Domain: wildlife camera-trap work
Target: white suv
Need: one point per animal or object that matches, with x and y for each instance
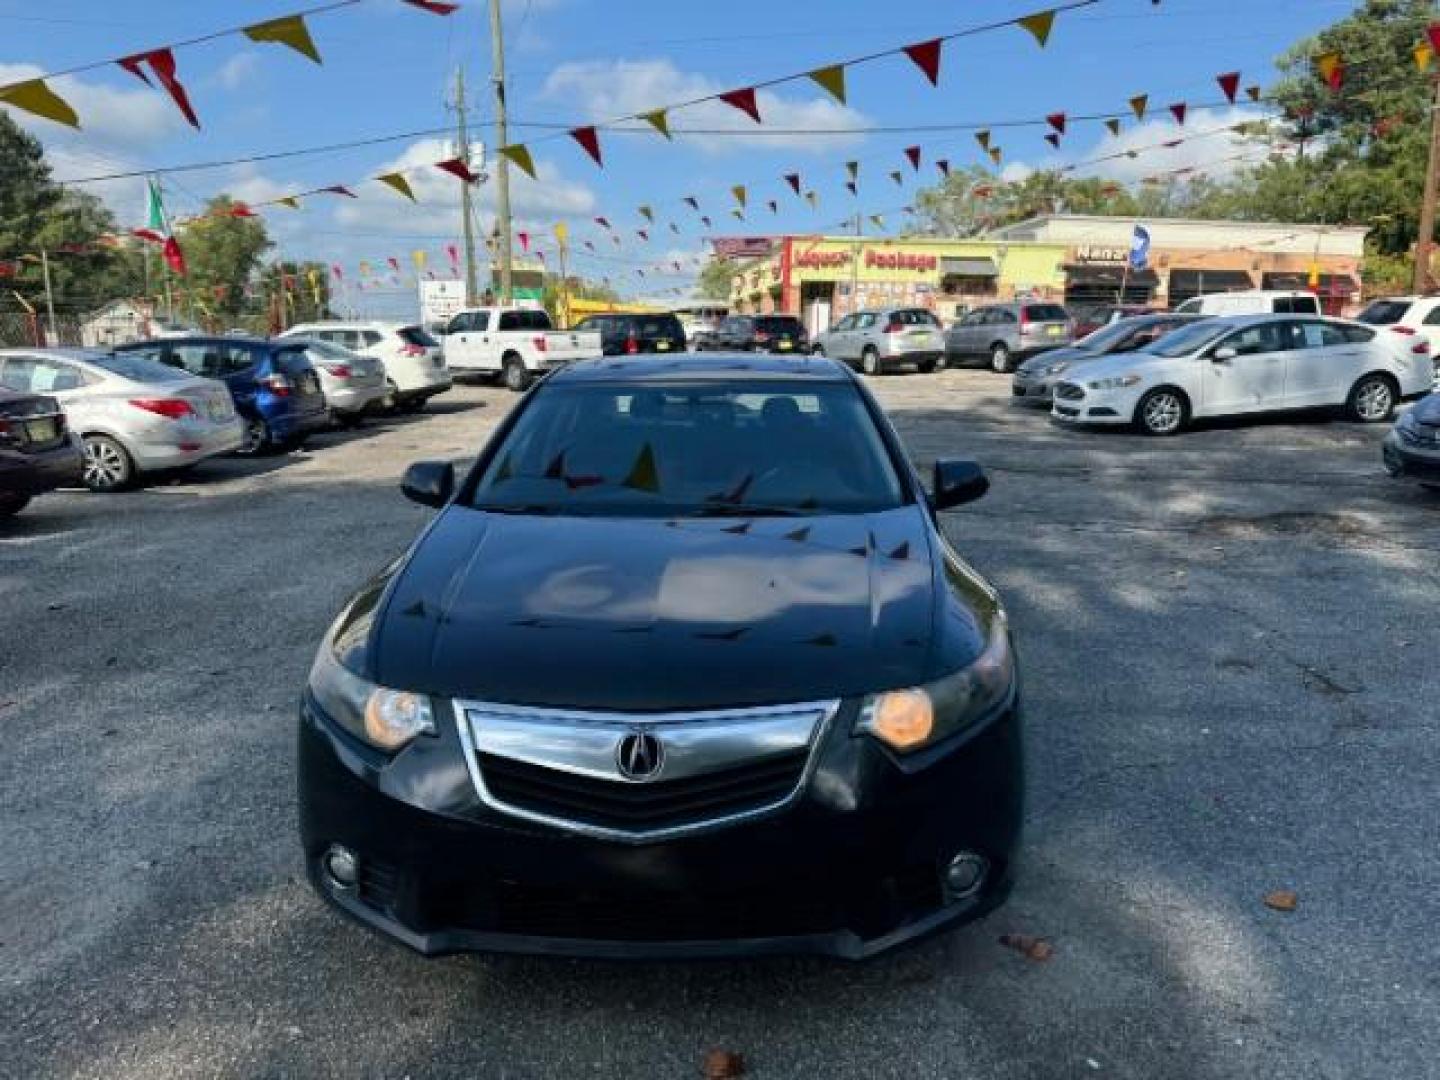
(414, 362)
(1408, 316)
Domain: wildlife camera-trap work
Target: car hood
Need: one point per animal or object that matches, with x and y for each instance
(643, 614)
(1427, 409)
(1103, 367)
(1070, 354)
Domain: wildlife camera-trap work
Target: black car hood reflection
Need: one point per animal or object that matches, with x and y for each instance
(626, 613)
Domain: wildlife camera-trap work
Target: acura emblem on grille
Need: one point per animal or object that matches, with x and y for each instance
(639, 756)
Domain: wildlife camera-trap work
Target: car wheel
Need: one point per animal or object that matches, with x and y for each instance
(870, 361)
(1372, 400)
(257, 438)
(517, 379)
(415, 404)
(348, 420)
(1162, 412)
(391, 401)
(107, 465)
(10, 505)
(1001, 360)
(926, 367)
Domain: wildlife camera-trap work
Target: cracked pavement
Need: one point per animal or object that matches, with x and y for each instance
(1229, 648)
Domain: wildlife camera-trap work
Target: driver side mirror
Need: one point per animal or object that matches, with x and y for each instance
(1224, 354)
(957, 483)
(429, 483)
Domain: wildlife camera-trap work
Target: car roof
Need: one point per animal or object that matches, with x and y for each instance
(84, 356)
(706, 367)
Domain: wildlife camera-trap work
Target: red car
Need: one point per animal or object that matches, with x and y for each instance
(1090, 319)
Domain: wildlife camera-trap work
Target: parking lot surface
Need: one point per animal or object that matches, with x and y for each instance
(1229, 650)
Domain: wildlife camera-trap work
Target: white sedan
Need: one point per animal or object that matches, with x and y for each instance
(1255, 363)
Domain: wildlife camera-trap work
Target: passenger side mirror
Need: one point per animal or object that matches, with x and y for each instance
(1224, 354)
(957, 483)
(429, 483)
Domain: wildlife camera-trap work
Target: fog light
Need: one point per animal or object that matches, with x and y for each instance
(342, 866)
(965, 875)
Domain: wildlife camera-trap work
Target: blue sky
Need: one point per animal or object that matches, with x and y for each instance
(388, 69)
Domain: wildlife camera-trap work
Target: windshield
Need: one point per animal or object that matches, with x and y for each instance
(777, 326)
(138, 368)
(1384, 312)
(1189, 339)
(742, 448)
(1107, 337)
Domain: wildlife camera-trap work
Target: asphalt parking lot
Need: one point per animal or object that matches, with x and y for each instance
(1229, 645)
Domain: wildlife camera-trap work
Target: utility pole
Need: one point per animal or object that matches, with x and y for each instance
(49, 296)
(855, 269)
(462, 146)
(1425, 242)
(502, 164)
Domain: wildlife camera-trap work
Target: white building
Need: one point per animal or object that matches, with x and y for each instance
(116, 323)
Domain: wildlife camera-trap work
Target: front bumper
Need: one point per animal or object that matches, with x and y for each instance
(1097, 406)
(1409, 462)
(852, 868)
(36, 472)
(1032, 390)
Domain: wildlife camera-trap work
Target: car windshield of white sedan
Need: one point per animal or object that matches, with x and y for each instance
(1188, 339)
(692, 450)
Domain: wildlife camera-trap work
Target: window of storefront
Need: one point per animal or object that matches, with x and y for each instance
(1187, 283)
(1090, 285)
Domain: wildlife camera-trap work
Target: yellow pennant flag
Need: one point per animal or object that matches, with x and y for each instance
(418, 257)
(364, 268)
(996, 155)
(1039, 24)
(562, 233)
(739, 192)
(877, 221)
(314, 278)
(649, 215)
(290, 30)
(983, 138)
(1424, 54)
(292, 201)
(1139, 103)
(399, 183)
(658, 120)
(1328, 64)
(520, 155)
(35, 97)
(853, 168)
(831, 79)
(1314, 275)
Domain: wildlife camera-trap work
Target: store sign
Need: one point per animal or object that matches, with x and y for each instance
(1092, 254)
(821, 260)
(900, 260)
(742, 247)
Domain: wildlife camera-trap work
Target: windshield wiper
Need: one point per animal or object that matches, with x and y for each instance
(729, 509)
(525, 509)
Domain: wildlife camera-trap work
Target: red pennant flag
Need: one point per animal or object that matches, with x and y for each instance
(340, 189)
(336, 272)
(774, 206)
(435, 7)
(1178, 111)
(394, 263)
(604, 223)
(744, 100)
(589, 246)
(162, 63)
(1229, 84)
(926, 55)
(1433, 33)
(240, 210)
(454, 253)
(174, 257)
(913, 153)
(458, 168)
(793, 179)
(944, 166)
(524, 238)
(705, 220)
(1053, 139)
(1057, 121)
(691, 202)
(644, 236)
(589, 140)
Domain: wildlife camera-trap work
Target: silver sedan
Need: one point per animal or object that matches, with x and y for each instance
(353, 384)
(133, 415)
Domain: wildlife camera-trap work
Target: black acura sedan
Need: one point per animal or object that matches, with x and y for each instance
(683, 667)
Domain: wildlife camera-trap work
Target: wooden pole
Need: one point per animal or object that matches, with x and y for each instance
(1425, 242)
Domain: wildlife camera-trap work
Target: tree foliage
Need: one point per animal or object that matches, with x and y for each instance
(713, 282)
(222, 256)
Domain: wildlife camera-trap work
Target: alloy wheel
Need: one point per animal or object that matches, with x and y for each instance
(1000, 359)
(106, 467)
(1374, 401)
(1162, 413)
(256, 436)
(870, 361)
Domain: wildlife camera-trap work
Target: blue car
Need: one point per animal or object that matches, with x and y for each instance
(276, 390)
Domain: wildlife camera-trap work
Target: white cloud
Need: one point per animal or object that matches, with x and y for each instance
(236, 72)
(624, 87)
(109, 116)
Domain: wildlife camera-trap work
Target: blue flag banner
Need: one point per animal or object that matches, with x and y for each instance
(1140, 248)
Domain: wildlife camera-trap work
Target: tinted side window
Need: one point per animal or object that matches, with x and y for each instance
(509, 320)
(1002, 315)
(234, 359)
(1045, 313)
(1265, 338)
(1433, 319)
(370, 337)
(292, 361)
(1357, 334)
(196, 359)
(459, 324)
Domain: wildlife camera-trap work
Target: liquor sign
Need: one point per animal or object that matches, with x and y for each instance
(742, 247)
(900, 260)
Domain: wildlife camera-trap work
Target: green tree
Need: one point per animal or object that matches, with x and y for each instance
(577, 288)
(971, 200)
(222, 256)
(714, 280)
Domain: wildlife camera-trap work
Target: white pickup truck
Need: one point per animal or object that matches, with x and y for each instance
(513, 342)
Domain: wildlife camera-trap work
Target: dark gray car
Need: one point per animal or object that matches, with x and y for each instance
(1005, 334)
(1035, 378)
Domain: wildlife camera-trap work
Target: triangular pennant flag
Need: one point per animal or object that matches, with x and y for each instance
(1057, 121)
(739, 192)
(774, 206)
(648, 214)
(174, 257)
(644, 236)
(34, 96)
(1114, 126)
(691, 202)
(913, 154)
(340, 189)
(877, 221)
(240, 210)
(1039, 24)
(604, 223)
(589, 140)
(926, 55)
(1424, 54)
(744, 100)
(292, 201)
(162, 63)
(418, 257)
(812, 199)
(394, 263)
(832, 79)
(520, 155)
(673, 227)
(1432, 34)
(983, 138)
(1229, 85)
(1138, 104)
(589, 245)
(1253, 93)
(793, 179)
(1053, 139)
(435, 7)
(944, 167)
(705, 220)
(854, 187)
(996, 154)
(898, 177)
(289, 30)
(524, 238)
(399, 183)
(1178, 111)
(657, 119)
(739, 215)
(1331, 68)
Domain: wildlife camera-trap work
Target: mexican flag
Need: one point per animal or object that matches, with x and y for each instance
(157, 229)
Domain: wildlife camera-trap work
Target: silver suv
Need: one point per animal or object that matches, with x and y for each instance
(885, 338)
(1008, 333)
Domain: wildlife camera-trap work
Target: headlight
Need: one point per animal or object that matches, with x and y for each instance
(908, 720)
(1116, 383)
(386, 719)
(1056, 369)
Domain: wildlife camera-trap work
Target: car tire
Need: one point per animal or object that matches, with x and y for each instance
(512, 369)
(348, 420)
(1162, 411)
(1372, 400)
(10, 505)
(1001, 359)
(870, 361)
(391, 401)
(414, 405)
(818, 350)
(107, 464)
(258, 439)
(927, 367)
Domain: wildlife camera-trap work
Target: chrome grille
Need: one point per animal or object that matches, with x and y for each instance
(714, 768)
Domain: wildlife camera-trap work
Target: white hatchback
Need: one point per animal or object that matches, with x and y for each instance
(1256, 363)
(415, 368)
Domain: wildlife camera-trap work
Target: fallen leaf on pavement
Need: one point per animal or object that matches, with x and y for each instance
(1282, 900)
(723, 1064)
(1034, 948)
